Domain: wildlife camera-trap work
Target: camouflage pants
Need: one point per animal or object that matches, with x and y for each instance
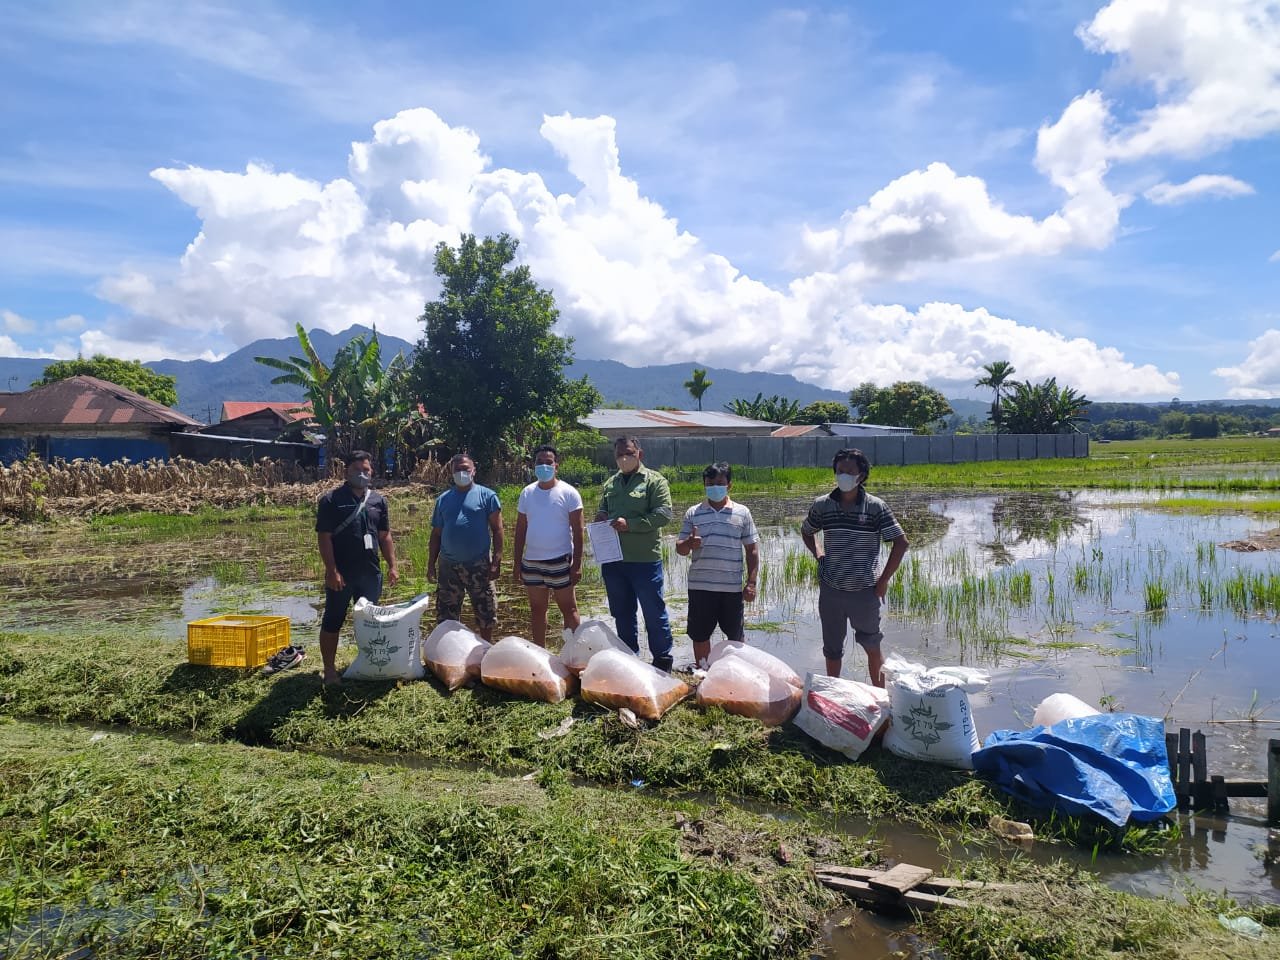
(466, 579)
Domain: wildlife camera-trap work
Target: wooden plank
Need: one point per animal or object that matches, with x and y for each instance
(1273, 782)
(1171, 748)
(901, 878)
(932, 885)
(1218, 790)
(1244, 788)
(1200, 771)
(1184, 765)
(864, 893)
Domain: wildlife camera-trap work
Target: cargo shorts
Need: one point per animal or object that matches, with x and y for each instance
(466, 579)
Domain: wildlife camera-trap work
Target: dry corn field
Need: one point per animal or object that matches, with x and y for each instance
(32, 488)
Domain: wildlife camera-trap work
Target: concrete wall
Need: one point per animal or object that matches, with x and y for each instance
(697, 452)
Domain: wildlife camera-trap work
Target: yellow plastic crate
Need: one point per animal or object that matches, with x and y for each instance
(235, 640)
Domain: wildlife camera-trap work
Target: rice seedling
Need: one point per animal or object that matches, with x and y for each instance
(1156, 595)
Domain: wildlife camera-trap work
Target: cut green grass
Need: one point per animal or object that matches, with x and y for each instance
(140, 847)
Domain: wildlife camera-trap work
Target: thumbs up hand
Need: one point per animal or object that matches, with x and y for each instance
(694, 540)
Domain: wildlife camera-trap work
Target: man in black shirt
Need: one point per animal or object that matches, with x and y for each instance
(352, 527)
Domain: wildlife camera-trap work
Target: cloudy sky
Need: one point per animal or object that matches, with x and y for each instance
(845, 192)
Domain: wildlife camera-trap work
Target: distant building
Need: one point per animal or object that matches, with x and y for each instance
(259, 419)
(675, 423)
(87, 418)
(851, 430)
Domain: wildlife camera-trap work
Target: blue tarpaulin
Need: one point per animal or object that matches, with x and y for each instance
(1113, 765)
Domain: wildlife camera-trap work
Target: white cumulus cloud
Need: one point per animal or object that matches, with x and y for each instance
(275, 249)
(1258, 375)
(1203, 185)
(15, 323)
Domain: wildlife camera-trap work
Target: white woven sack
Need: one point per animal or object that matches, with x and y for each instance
(388, 640)
(932, 720)
(590, 638)
(844, 715)
(454, 653)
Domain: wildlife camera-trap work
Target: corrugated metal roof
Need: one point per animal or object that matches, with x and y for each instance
(233, 409)
(86, 401)
(798, 430)
(607, 419)
(865, 430)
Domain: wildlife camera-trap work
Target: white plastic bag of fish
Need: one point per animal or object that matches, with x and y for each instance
(932, 719)
(844, 715)
(590, 638)
(767, 662)
(388, 640)
(517, 666)
(738, 686)
(616, 680)
(454, 653)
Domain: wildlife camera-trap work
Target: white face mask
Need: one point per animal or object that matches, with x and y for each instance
(847, 482)
(462, 478)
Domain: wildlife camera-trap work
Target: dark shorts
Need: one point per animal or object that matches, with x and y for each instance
(711, 608)
(840, 609)
(553, 573)
(337, 602)
(459, 580)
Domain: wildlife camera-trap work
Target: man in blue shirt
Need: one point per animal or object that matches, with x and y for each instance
(466, 547)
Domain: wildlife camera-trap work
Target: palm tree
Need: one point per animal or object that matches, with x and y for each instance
(998, 373)
(698, 385)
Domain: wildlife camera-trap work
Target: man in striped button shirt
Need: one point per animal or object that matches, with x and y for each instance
(853, 524)
(718, 532)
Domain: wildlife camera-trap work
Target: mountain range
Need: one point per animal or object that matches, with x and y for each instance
(203, 385)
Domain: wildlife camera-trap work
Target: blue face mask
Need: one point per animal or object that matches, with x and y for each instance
(717, 493)
(544, 471)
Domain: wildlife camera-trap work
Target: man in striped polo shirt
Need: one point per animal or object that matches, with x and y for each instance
(853, 524)
(718, 532)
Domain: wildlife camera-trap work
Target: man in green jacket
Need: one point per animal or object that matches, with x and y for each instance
(636, 501)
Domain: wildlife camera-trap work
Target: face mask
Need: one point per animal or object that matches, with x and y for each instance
(628, 463)
(544, 471)
(717, 493)
(847, 482)
(462, 478)
(360, 480)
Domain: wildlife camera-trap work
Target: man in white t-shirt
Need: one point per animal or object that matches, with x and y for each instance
(548, 549)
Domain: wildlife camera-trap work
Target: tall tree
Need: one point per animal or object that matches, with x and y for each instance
(698, 384)
(823, 411)
(908, 403)
(860, 398)
(130, 374)
(998, 373)
(489, 359)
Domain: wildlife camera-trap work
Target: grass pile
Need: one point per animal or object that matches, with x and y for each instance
(142, 847)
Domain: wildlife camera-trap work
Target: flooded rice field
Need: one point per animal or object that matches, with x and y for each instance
(1102, 595)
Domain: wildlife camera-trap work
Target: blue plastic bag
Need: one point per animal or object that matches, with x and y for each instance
(1113, 765)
